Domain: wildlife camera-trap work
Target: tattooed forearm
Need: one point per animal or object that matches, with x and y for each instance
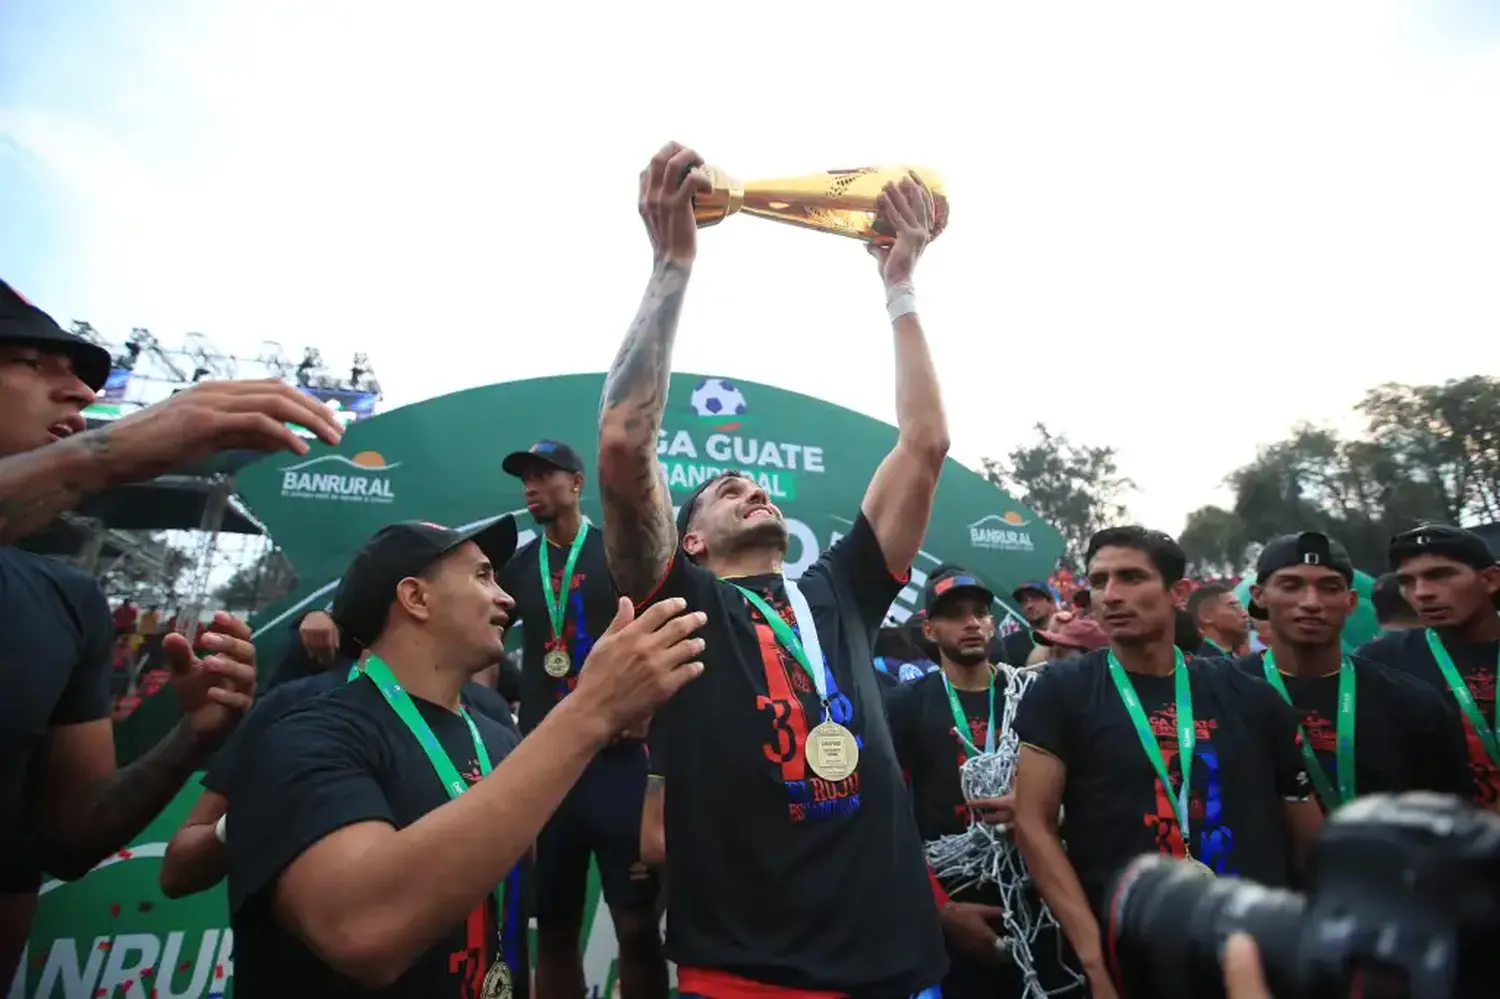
(106, 817)
(639, 534)
(37, 485)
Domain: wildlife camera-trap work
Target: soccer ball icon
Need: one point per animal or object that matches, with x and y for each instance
(718, 397)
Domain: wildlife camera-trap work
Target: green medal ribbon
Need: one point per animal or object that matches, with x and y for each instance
(961, 720)
(1489, 735)
(1344, 739)
(400, 701)
(1187, 735)
(789, 641)
(557, 603)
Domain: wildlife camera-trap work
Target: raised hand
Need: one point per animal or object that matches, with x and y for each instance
(907, 207)
(640, 662)
(208, 418)
(214, 692)
(668, 185)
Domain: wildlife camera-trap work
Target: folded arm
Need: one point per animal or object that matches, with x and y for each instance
(898, 503)
(639, 533)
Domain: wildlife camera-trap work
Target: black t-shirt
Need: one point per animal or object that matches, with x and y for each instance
(337, 759)
(1407, 651)
(590, 606)
(774, 874)
(930, 751)
(1405, 737)
(1245, 766)
(281, 700)
(1014, 648)
(55, 664)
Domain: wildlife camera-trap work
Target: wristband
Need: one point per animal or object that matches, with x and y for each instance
(219, 827)
(900, 300)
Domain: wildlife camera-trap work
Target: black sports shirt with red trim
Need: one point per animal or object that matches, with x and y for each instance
(777, 875)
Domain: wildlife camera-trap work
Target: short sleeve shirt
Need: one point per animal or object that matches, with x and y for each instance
(748, 821)
(341, 758)
(1246, 764)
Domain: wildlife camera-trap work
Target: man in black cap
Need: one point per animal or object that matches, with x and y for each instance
(55, 628)
(195, 857)
(565, 598)
(1037, 604)
(1450, 578)
(1365, 728)
(938, 723)
(374, 826)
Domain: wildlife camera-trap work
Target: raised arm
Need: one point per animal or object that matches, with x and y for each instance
(898, 502)
(639, 533)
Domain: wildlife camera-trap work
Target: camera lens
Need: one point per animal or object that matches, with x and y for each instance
(1168, 920)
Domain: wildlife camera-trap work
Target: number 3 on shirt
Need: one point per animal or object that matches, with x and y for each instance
(782, 745)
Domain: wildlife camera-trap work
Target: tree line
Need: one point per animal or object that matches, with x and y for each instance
(1427, 453)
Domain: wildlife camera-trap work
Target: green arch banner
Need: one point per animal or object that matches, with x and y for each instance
(440, 461)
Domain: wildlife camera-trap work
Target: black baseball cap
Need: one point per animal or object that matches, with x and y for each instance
(1307, 548)
(22, 322)
(396, 552)
(1441, 539)
(950, 580)
(1032, 586)
(554, 453)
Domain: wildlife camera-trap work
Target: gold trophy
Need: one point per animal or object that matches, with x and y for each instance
(837, 201)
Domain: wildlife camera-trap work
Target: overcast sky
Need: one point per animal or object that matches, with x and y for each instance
(1178, 228)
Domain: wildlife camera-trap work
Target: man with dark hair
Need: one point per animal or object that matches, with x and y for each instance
(374, 826)
(786, 793)
(64, 804)
(1450, 578)
(1037, 604)
(1220, 619)
(195, 859)
(1366, 729)
(1392, 611)
(938, 723)
(565, 599)
(1150, 753)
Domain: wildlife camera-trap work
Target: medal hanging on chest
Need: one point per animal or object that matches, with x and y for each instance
(557, 662)
(831, 751)
(497, 982)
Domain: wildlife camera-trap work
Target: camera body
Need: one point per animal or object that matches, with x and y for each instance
(1403, 902)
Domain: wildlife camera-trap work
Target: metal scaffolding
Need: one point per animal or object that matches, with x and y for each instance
(146, 372)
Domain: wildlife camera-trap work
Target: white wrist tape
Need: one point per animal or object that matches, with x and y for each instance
(900, 300)
(219, 827)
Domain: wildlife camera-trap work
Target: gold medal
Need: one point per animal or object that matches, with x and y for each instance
(557, 663)
(831, 751)
(497, 984)
(1199, 868)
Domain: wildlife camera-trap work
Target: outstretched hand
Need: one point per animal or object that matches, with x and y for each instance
(208, 418)
(641, 661)
(906, 207)
(668, 184)
(214, 692)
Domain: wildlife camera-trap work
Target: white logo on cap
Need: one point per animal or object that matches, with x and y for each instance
(1311, 558)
